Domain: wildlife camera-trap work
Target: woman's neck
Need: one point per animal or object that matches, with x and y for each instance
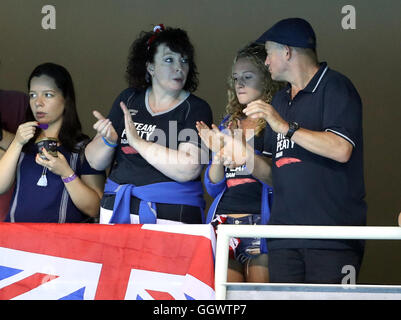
(52, 131)
(161, 100)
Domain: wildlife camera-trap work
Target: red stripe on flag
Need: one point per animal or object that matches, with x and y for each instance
(163, 252)
(113, 280)
(158, 295)
(25, 285)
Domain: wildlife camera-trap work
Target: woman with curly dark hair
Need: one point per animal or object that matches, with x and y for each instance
(239, 197)
(149, 138)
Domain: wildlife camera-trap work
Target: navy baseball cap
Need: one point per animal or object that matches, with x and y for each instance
(293, 32)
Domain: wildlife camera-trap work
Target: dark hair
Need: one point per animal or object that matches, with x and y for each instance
(71, 130)
(141, 53)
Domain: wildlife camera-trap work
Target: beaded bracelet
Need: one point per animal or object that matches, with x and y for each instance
(70, 178)
(111, 145)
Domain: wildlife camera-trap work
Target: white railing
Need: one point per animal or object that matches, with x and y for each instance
(302, 232)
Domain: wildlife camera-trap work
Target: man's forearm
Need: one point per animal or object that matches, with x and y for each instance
(325, 144)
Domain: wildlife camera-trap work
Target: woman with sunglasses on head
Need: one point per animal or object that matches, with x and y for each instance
(149, 139)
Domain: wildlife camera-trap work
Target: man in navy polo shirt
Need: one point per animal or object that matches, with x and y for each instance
(314, 136)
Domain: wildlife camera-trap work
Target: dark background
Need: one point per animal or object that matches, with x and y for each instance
(92, 39)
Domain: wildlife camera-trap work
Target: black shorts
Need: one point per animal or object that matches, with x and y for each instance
(320, 266)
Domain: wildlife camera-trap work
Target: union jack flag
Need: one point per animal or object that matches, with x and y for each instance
(106, 262)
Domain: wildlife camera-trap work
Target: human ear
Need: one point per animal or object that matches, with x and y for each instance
(288, 52)
(150, 68)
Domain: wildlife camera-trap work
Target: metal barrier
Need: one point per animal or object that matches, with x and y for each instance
(290, 232)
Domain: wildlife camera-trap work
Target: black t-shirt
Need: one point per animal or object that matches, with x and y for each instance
(244, 192)
(310, 189)
(169, 128)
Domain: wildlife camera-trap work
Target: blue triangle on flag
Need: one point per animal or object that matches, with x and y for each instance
(138, 297)
(6, 272)
(188, 297)
(77, 295)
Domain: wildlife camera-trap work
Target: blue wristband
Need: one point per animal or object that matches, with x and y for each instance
(111, 145)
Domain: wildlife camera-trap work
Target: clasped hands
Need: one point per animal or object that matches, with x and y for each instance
(229, 146)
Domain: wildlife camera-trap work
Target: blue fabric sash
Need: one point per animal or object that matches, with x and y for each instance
(188, 193)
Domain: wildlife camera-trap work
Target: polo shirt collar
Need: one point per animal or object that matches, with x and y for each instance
(315, 81)
(317, 78)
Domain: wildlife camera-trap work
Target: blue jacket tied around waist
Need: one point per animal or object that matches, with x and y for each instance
(188, 193)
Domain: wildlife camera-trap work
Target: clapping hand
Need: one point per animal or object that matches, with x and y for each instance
(213, 138)
(105, 128)
(130, 130)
